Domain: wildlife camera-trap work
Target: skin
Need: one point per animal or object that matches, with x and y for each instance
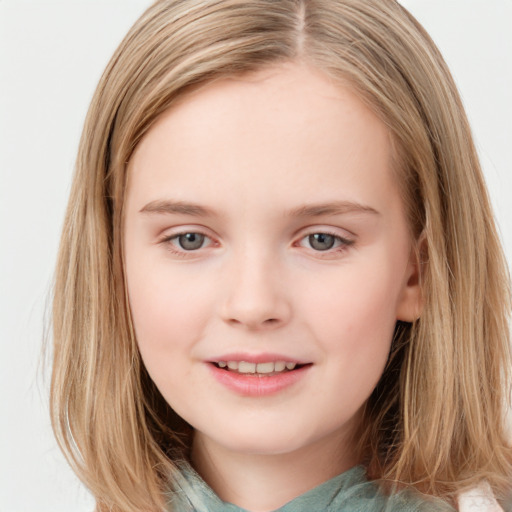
(258, 152)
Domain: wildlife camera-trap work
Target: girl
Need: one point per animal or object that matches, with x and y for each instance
(280, 285)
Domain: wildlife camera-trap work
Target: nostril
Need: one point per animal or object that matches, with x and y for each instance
(269, 322)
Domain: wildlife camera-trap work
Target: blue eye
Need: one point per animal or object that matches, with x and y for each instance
(190, 241)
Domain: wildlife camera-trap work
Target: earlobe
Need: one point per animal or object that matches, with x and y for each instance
(410, 305)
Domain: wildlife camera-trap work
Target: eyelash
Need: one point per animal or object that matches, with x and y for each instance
(343, 243)
(167, 241)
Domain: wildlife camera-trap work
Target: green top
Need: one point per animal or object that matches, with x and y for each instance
(349, 492)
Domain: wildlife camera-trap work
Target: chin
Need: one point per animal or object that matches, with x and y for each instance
(263, 438)
(259, 445)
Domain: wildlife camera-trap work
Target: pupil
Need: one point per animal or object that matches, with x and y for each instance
(321, 241)
(191, 241)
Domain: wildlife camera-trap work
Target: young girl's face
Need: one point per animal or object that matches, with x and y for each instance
(264, 229)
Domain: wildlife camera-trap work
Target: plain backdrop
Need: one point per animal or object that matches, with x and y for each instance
(51, 56)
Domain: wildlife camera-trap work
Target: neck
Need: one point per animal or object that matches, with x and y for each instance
(262, 483)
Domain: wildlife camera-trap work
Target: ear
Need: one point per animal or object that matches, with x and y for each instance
(410, 304)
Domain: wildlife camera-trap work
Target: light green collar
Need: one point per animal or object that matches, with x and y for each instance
(349, 492)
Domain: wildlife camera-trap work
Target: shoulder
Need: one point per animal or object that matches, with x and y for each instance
(479, 499)
(366, 496)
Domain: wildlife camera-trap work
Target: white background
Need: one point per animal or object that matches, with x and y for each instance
(51, 56)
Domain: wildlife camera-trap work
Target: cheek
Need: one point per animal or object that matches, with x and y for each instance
(169, 314)
(168, 308)
(354, 326)
(354, 316)
(355, 305)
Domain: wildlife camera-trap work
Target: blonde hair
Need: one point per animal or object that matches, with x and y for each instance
(436, 418)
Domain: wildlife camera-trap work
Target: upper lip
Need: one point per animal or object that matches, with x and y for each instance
(257, 358)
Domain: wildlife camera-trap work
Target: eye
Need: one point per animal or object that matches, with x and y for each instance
(187, 242)
(190, 241)
(323, 242)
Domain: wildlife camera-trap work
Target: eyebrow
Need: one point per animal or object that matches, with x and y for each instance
(177, 207)
(331, 208)
(163, 206)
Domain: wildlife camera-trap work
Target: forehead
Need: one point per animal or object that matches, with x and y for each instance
(282, 133)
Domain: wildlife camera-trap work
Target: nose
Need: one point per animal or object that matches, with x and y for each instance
(256, 295)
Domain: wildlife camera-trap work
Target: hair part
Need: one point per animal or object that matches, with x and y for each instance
(436, 419)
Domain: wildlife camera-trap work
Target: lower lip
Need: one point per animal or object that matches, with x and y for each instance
(256, 385)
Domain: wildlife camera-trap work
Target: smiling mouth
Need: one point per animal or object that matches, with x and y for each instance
(267, 369)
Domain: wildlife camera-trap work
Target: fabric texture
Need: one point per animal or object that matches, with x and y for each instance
(348, 492)
(480, 499)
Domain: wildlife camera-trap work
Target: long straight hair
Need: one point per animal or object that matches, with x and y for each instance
(436, 420)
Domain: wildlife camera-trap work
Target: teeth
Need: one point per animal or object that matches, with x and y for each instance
(279, 366)
(260, 368)
(265, 367)
(244, 367)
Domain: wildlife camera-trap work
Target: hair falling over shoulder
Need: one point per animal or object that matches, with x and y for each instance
(437, 419)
